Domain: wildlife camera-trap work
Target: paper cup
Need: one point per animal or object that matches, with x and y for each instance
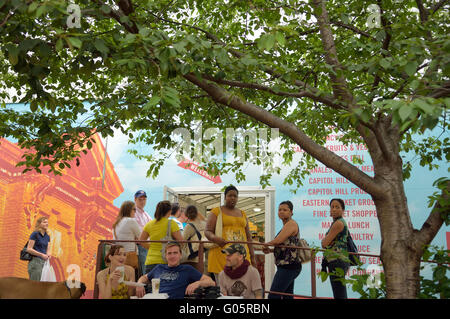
(155, 285)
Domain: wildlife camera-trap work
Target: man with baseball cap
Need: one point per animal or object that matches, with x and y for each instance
(239, 278)
(142, 218)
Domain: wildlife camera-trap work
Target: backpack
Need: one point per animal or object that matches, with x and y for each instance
(193, 254)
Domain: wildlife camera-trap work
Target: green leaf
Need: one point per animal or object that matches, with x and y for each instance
(385, 63)
(40, 11)
(280, 38)
(100, 46)
(75, 42)
(154, 100)
(405, 111)
(266, 42)
(59, 45)
(33, 6)
(105, 9)
(411, 68)
(427, 108)
(13, 56)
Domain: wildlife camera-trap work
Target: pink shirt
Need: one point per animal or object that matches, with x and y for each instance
(142, 218)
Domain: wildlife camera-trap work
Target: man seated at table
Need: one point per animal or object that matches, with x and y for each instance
(176, 280)
(239, 278)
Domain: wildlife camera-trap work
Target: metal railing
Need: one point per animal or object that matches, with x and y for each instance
(200, 264)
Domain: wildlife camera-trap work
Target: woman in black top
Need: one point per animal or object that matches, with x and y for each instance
(336, 239)
(287, 260)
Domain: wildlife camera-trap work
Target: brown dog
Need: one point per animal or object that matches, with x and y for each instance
(21, 288)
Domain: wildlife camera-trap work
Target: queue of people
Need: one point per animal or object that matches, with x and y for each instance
(230, 266)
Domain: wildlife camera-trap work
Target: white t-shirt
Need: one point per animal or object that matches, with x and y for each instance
(180, 224)
(126, 229)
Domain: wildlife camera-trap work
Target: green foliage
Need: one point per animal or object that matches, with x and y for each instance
(367, 285)
(130, 65)
(373, 286)
(439, 285)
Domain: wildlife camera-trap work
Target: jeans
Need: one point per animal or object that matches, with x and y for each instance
(283, 281)
(339, 289)
(142, 256)
(35, 267)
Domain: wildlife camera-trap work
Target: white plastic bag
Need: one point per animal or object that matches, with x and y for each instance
(48, 274)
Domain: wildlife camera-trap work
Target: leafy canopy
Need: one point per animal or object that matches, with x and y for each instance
(128, 64)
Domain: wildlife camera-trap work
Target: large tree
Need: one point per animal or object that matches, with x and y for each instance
(376, 72)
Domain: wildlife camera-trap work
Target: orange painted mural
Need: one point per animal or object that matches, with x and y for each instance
(79, 208)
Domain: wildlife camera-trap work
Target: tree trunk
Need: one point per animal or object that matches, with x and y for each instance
(400, 251)
(399, 254)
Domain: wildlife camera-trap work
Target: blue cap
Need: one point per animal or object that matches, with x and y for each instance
(140, 194)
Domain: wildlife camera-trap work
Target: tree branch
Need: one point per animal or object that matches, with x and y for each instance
(434, 221)
(439, 5)
(443, 91)
(117, 14)
(317, 151)
(339, 84)
(327, 100)
(352, 28)
(385, 47)
(423, 13)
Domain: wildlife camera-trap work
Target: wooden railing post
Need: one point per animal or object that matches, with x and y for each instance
(201, 262)
(97, 266)
(313, 274)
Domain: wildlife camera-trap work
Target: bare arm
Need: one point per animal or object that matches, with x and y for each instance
(144, 236)
(205, 281)
(105, 286)
(140, 291)
(32, 251)
(288, 230)
(334, 231)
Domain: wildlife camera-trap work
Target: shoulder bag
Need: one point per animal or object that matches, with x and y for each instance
(351, 248)
(304, 254)
(168, 237)
(217, 231)
(24, 254)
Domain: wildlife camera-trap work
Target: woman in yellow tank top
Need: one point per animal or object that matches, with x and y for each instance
(234, 228)
(108, 278)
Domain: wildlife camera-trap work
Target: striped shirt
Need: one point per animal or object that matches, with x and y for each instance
(142, 217)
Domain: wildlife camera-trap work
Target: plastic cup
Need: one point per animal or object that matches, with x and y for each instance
(122, 271)
(155, 285)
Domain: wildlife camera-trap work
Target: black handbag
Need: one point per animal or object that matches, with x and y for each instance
(351, 248)
(24, 255)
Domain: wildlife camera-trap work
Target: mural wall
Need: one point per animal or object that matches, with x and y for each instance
(80, 211)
